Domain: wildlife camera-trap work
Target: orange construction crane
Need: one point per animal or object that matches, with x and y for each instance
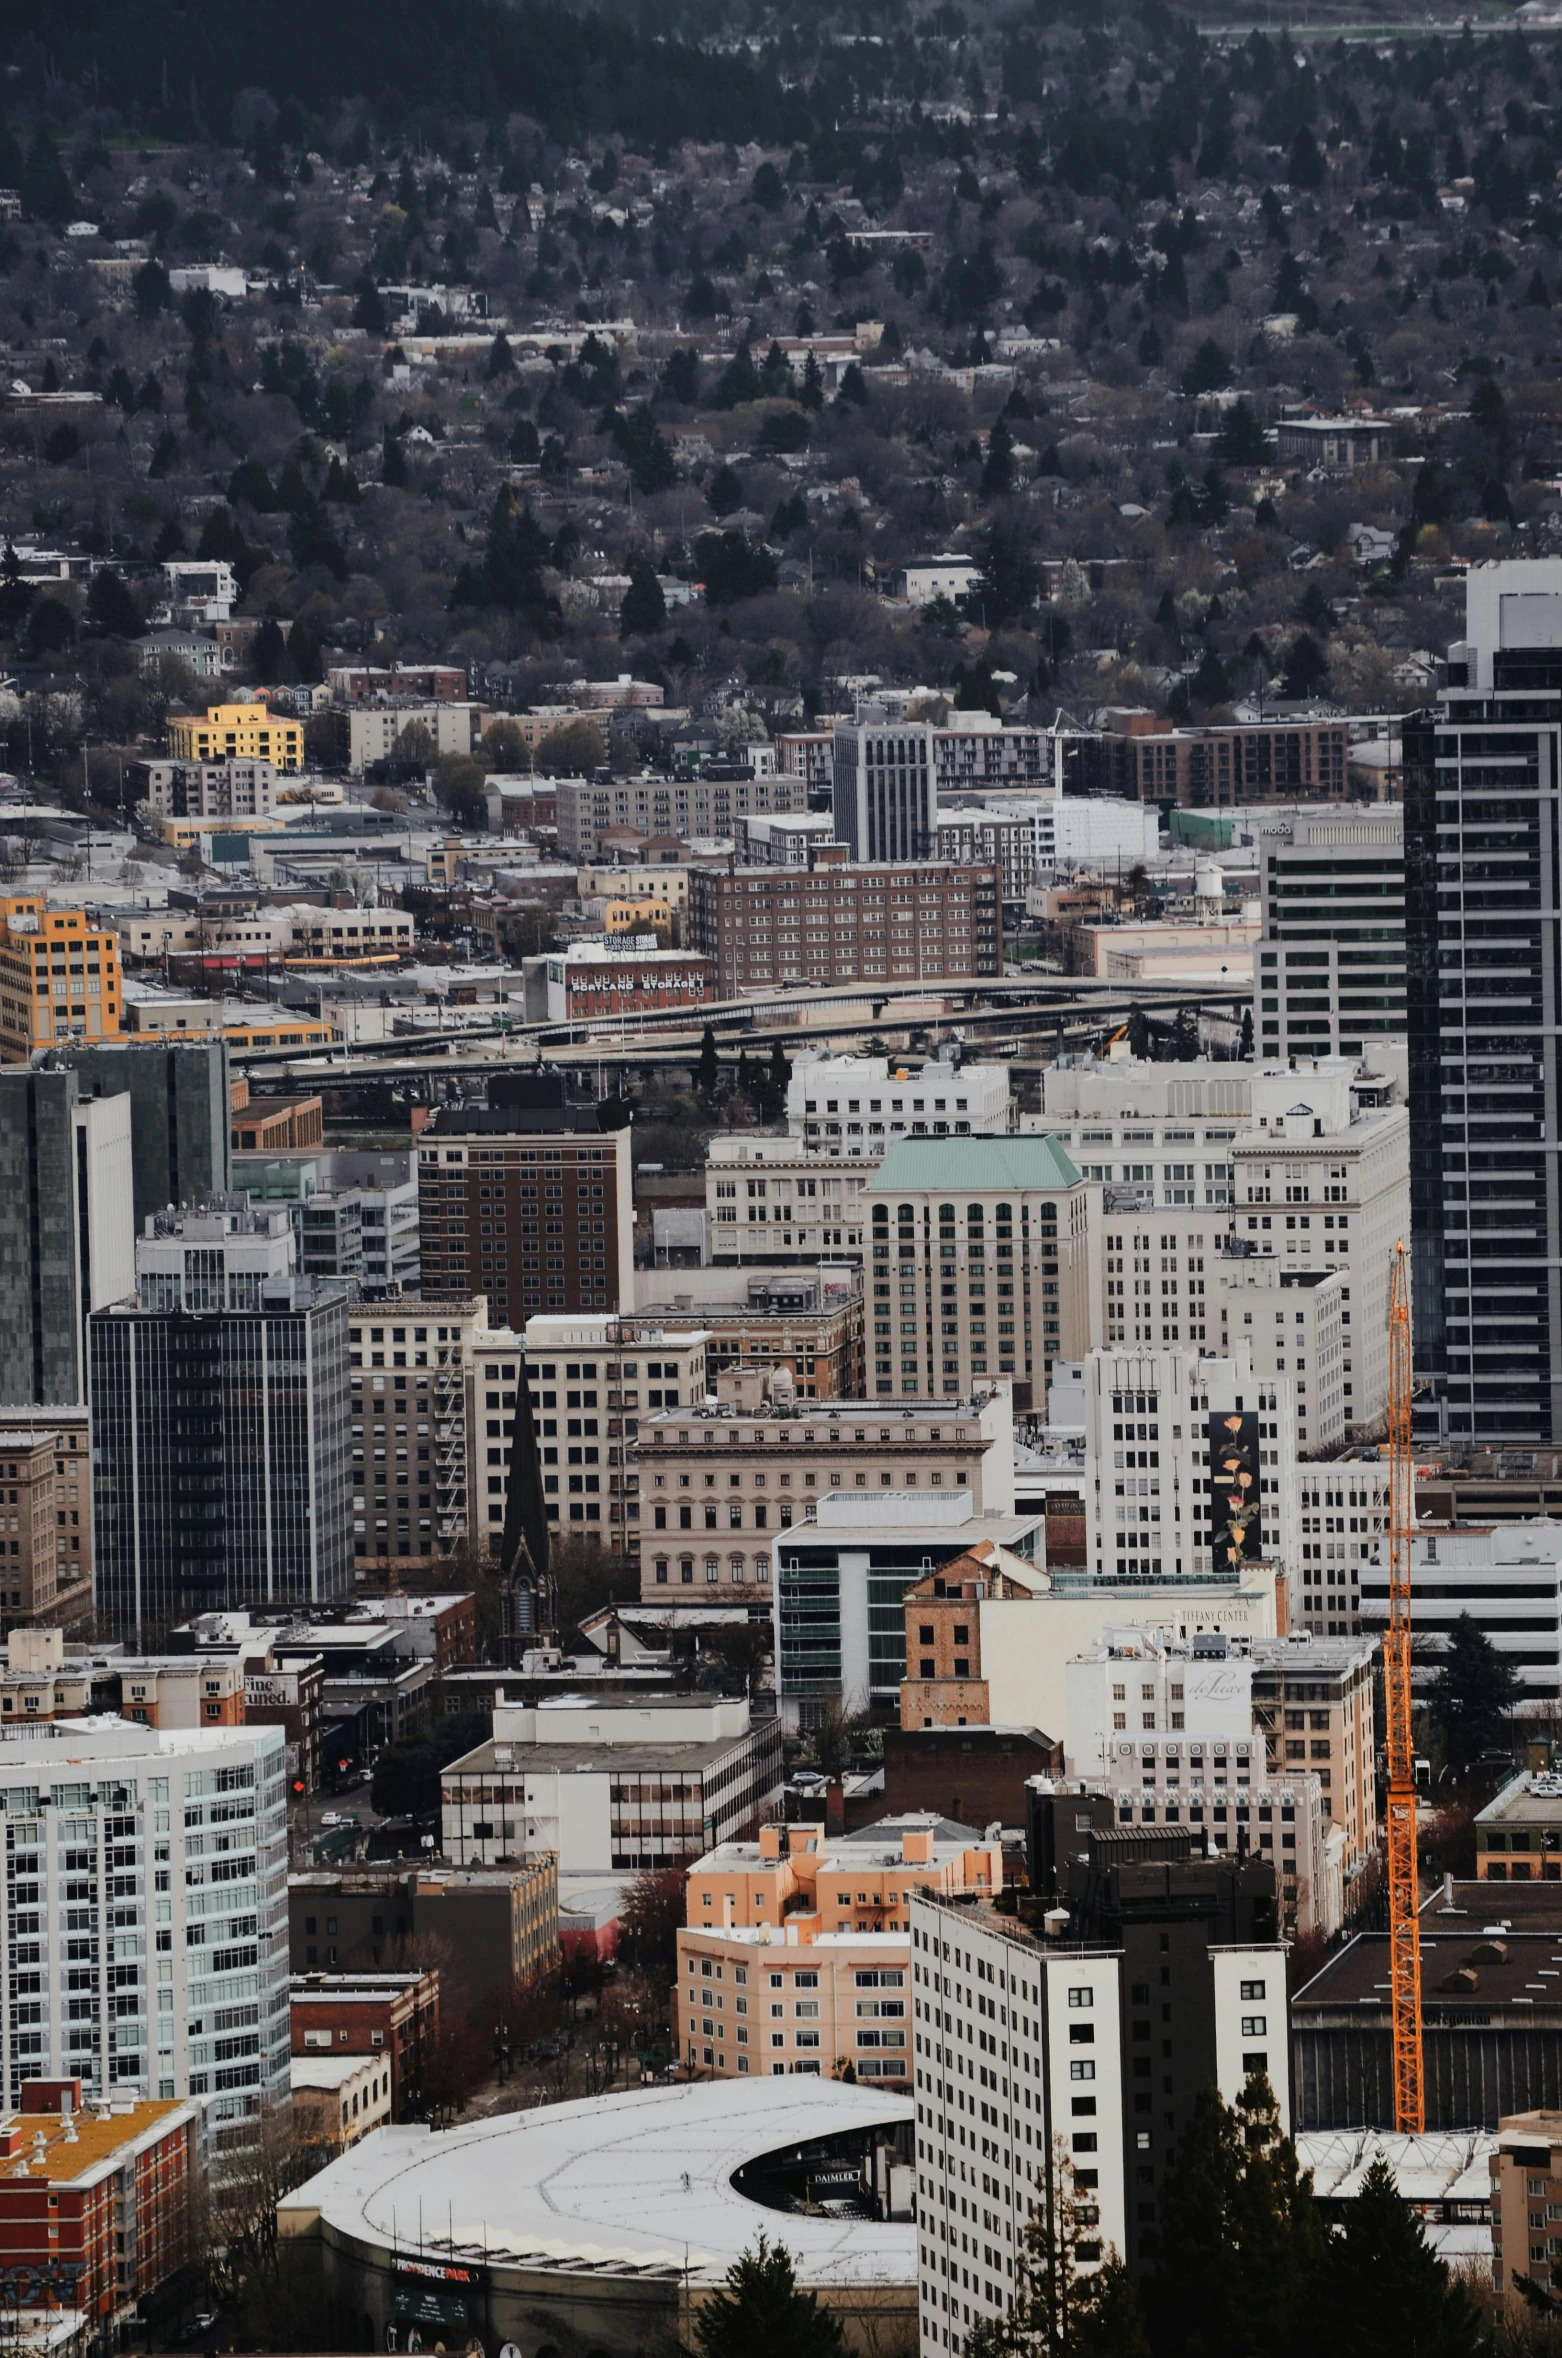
(1404, 1921)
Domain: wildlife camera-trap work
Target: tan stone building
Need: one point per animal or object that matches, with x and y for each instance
(410, 1409)
(985, 1263)
(1312, 1707)
(717, 1484)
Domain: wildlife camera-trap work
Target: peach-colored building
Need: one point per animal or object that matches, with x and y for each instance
(797, 1952)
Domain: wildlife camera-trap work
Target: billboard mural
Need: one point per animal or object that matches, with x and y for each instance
(1236, 1527)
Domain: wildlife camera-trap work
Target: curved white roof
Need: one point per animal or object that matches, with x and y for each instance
(639, 2183)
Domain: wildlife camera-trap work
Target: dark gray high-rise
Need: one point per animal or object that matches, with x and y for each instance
(1483, 889)
(65, 1240)
(179, 1118)
(220, 1427)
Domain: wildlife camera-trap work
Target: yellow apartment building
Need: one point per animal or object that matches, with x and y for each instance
(239, 732)
(59, 979)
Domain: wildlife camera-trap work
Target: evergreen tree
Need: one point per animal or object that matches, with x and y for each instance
(1240, 2240)
(644, 609)
(745, 1074)
(110, 606)
(812, 394)
(1063, 2301)
(268, 654)
(1382, 2291)
(707, 1073)
(778, 1078)
(393, 466)
(1472, 1697)
(152, 289)
(1243, 442)
(998, 466)
(762, 2312)
(1208, 370)
(1245, 1042)
(369, 308)
(501, 360)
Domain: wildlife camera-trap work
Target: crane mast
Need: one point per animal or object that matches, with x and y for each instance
(1403, 1911)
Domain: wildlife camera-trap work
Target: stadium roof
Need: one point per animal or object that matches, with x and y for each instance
(638, 2184)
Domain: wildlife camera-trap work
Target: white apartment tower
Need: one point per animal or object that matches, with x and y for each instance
(145, 1908)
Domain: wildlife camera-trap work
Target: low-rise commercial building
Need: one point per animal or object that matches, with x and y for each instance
(608, 1786)
(593, 982)
(491, 1927)
(337, 2099)
(1518, 1835)
(391, 2018)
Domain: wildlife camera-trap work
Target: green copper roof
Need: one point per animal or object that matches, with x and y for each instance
(976, 1165)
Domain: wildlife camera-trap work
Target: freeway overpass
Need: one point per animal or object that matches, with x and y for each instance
(990, 1011)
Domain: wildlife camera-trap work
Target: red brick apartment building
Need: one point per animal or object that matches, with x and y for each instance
(97, 2202)
(1142, 757)
(390, 2014)
(904, 925)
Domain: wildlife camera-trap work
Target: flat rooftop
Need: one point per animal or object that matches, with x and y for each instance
(638, 2185)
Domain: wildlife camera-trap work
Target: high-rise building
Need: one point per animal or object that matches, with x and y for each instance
(65, 1234)
(527, 1202)
(1312, 1158)
(886, 787)
(59, 979)
(592, 1380)
(1169, 1978)
(410, 1364)
(146, 1913)
(1190, 1466)
(1330, 961)
(220, 1425)
(1483, 800)
(985, 1263)
(179, 1115)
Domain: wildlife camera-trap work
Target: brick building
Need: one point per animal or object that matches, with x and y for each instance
(907, 925)
(590, 982)
(393, 2016)
(1143, 758)
(45, 1520)
(338, 2099)
(537, 1215)
(944, 1686)
(978, 1774)
(99, 2202)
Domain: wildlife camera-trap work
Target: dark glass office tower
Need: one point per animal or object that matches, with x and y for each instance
(1483, 857)
(221, 1469)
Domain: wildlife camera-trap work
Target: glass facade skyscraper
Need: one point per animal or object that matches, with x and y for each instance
(1483, 888)
(220, 1428)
